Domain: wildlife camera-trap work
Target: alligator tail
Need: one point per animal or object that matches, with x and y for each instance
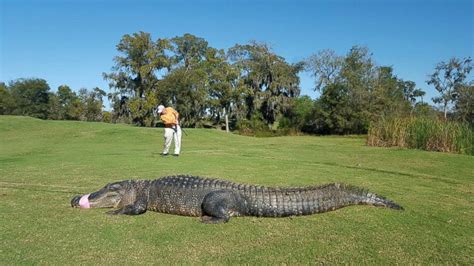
(281, 202)
(362, 196)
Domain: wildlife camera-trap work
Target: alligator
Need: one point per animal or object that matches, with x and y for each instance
(215, 200)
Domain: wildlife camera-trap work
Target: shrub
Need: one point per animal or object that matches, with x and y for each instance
(252, 126)
(423, 133)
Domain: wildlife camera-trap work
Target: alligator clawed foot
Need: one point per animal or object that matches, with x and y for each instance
(213, 220)
(113, 212)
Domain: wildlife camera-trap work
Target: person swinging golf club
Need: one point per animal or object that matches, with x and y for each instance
(170, 118)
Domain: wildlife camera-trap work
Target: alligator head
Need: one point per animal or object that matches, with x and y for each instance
(110, 196)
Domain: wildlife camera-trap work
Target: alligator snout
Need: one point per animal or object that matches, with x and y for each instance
(75, 201)
(81, 201)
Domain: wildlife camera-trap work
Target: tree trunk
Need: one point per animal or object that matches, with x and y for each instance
(226, 121)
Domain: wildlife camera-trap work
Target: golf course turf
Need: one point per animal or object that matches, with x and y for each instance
(43, 164)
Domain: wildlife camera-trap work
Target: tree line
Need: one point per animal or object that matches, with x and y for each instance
(32, 97)
(248, 87)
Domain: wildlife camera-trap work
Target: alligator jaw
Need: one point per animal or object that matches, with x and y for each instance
(80, 202)
(75, 201)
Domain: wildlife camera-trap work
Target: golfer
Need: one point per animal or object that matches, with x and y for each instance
(170, 118)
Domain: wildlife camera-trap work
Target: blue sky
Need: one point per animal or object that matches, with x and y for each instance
(73, 42)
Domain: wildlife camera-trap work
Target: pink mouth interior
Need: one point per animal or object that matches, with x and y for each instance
(84, 202)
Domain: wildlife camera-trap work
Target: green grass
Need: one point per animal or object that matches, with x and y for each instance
(44, 163)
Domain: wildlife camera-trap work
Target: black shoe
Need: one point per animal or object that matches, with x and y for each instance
(176, 155)
(164, 154)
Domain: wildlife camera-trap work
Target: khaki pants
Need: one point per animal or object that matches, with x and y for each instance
(170, 135)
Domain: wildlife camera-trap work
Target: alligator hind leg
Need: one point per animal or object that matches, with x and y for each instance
(218, 206)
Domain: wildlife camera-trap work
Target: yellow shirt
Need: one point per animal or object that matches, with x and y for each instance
(169, 116)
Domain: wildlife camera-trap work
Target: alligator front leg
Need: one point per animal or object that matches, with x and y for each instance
(133, 203)
(219, 206)
(129, 210)
(138, 207)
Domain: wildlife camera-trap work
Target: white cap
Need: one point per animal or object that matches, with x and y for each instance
(160, 108)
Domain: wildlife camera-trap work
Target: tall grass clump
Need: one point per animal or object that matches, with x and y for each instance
(423, 133)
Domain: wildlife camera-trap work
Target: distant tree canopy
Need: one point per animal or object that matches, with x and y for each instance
(32, 97)
(269, 82)
(450, 80)
(355, 92)
(248, 87)
(464, 104)
(200, 81)
(134, 78)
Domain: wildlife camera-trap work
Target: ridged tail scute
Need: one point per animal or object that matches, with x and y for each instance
(281, 202)
(357, 195)
(373, 199)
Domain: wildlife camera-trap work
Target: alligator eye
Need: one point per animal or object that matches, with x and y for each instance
(115, 187)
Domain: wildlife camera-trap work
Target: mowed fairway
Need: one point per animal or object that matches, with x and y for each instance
(44, 163)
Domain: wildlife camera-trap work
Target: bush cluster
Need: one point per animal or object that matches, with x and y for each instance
(423, 133)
